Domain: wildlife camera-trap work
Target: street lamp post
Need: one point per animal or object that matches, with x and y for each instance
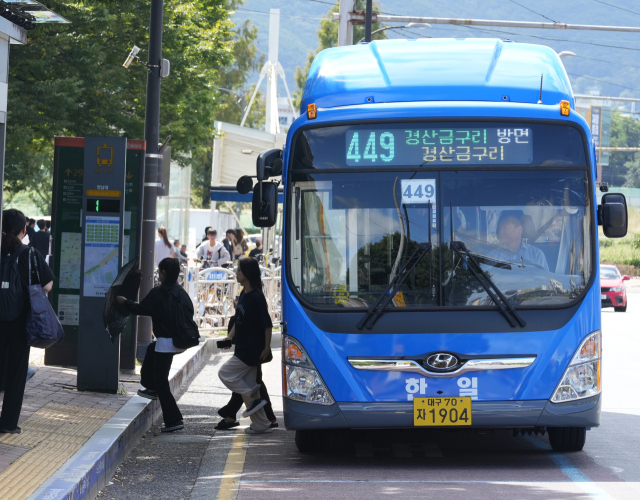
(410, 25)
(153, 160)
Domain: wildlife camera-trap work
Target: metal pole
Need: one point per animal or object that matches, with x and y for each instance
(344, 26)
(367, 21)
(152, 163)
(623, 149)
(384, 18)
(605, 98)
(3, 133)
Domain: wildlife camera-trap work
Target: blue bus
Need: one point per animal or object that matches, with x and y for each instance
(440, 252)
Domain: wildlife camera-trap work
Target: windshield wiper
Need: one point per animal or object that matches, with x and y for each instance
(376, 310)
(498, 298)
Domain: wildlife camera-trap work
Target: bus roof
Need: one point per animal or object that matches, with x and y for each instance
(436, 69)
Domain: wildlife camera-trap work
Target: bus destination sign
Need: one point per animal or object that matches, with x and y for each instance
(439, 146)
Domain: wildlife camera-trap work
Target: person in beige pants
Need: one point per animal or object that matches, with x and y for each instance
(251, 333)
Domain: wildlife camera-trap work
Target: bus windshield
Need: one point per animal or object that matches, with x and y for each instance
(351, 232)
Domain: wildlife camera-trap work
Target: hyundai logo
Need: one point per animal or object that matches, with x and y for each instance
(442, 361)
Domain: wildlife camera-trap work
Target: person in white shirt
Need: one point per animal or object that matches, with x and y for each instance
(163, 248)
(177, 254)
(212, 253)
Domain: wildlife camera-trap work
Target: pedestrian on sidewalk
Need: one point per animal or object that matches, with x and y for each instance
(41, 239)
(231, 409)
(160, 303)
(163, 248)
(251, 332)
(240, 247)
(212, 253)
(14, 350)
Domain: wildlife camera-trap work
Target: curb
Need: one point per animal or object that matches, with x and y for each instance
(85, 474)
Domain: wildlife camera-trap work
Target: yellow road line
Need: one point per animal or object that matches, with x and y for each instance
(233, 467)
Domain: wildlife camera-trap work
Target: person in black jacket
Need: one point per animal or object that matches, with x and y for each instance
(31, 229)
(251, 333)
(41, 239)
(14, 350)
(160, 304)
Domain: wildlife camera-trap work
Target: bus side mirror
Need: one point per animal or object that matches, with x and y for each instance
(269, 164)
(244, 184)
(264, 208)
(612, 215)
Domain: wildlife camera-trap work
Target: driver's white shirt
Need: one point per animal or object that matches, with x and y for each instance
(526, 252)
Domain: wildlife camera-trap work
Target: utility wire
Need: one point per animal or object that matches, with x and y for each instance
(616, 7)
(553, 39)
(531, 10)
(602, 81)
(419, 35)
(617, 63)
(283, 15)
(326, 3)
(447, 27)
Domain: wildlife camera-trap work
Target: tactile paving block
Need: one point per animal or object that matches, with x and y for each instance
(54, 433)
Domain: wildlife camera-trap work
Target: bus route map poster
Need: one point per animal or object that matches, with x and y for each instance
(101, 254)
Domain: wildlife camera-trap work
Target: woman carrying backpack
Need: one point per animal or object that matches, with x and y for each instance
(14, 307)
(252, 335)
(160, 304)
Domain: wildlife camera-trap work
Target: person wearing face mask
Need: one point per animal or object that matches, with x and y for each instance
(212, 253)
(14, 350)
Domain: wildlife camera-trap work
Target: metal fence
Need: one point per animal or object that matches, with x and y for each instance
(215, 290)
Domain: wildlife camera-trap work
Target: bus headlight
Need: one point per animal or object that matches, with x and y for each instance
(582, 378)
(301, 380)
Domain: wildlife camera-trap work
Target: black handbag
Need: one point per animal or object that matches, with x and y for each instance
(43, 327)
(186, 331)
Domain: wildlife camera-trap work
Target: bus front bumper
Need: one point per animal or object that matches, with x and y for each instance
(487, 414)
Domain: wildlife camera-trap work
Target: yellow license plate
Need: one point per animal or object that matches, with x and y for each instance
(441, 412)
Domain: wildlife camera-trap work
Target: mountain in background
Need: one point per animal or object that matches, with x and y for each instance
(605, 61)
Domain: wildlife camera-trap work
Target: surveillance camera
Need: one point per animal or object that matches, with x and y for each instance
(132, 55)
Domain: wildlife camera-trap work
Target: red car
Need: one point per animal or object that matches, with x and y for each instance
(613, 293)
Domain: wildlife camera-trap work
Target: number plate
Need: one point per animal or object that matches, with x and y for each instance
(440, 412)
(603, 297)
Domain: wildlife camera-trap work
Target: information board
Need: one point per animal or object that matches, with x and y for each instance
(67, 243)
(66, 230)
(101, 252)
(439, 146)
(103, 181)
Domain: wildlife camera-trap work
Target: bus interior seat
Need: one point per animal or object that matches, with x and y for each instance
(529, 232)
(528, 228)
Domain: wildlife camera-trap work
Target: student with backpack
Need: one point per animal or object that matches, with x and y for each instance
(213, 253)
(251, 333)
(16, 262)
(170, 309)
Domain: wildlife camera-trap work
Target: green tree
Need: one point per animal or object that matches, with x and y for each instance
(230, 106)
(327, 38)
(69, 81)
(623, 167)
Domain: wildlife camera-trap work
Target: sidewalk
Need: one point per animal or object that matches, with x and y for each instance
(72, 441)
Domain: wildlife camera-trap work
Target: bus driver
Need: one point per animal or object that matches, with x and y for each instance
(512, 246)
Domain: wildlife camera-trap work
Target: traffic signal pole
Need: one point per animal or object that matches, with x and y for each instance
(367, 21)
(153, 160)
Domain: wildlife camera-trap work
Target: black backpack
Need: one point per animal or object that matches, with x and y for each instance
(12, 294)
(187, 333)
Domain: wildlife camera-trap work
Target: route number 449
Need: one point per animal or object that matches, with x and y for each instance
(418, 191)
